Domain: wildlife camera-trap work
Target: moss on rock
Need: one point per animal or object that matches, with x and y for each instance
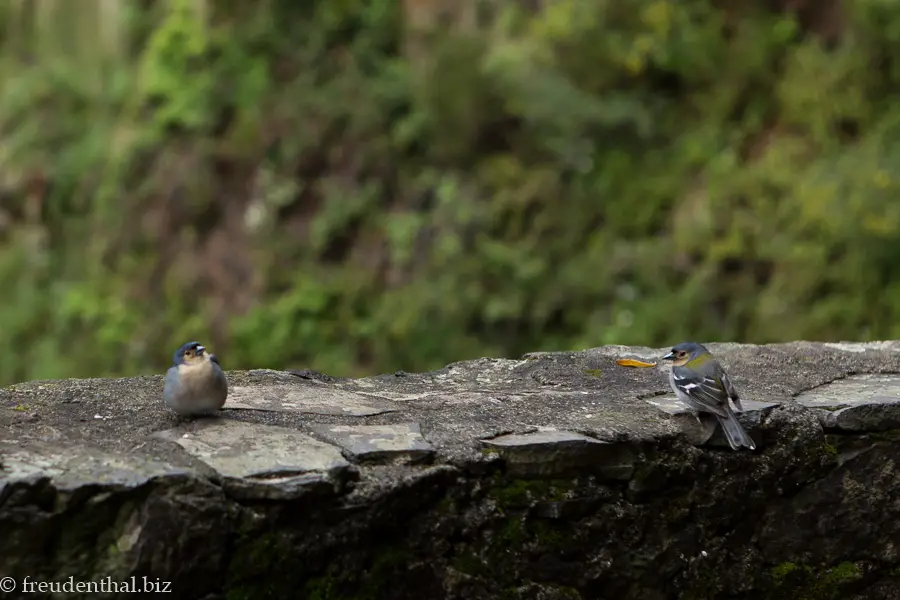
(522, 493)
(803, 582)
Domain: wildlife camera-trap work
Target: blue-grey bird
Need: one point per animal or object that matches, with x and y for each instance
(700, 382)
(196, 384)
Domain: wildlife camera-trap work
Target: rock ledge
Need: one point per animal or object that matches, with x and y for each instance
(559, 475)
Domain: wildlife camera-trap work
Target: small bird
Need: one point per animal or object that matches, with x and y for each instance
(700, 382)
(196, 384)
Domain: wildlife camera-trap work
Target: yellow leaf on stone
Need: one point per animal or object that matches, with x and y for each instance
(631, 362)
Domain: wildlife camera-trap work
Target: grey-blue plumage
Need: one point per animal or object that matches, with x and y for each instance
(701, 383)
(195, 384)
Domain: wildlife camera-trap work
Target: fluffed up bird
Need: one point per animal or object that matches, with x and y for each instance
(700, 382)
(196, 384)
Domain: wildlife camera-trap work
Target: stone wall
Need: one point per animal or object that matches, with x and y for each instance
(560, 475)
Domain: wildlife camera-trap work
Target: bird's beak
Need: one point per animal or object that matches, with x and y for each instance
(200, 349)
(669, 356)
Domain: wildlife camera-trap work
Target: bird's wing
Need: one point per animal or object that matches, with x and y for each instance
(172, 376)
(708, 391)
(172, 384)
(726, 383)
(729, 387)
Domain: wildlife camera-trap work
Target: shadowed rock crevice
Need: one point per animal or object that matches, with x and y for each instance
(555, 476)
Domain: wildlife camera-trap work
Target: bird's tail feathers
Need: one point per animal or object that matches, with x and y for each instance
(734, 432)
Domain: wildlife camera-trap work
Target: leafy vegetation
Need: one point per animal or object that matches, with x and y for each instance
(348, 187)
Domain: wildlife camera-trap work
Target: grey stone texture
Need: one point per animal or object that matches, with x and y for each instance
(555, 476)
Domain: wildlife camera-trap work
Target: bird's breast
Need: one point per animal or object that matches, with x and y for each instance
(200, 374)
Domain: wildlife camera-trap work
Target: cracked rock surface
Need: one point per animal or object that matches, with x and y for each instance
(558, 475)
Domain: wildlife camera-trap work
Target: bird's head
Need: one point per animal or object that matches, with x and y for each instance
(686, 352)
(191, 353)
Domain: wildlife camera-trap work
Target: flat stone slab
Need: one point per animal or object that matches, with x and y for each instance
(552, 450)
(879, 414)
(857, 403)
(312, 398)
(72, 466)
(704, 428)
(539, 438)
(884, 346)
(672, 405)
(852, 391)
(250, 450)
(379, 443)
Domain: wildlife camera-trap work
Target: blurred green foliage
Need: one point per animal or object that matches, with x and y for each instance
(349, 186)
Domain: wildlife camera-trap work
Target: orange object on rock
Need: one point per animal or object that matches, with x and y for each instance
(632, 362)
